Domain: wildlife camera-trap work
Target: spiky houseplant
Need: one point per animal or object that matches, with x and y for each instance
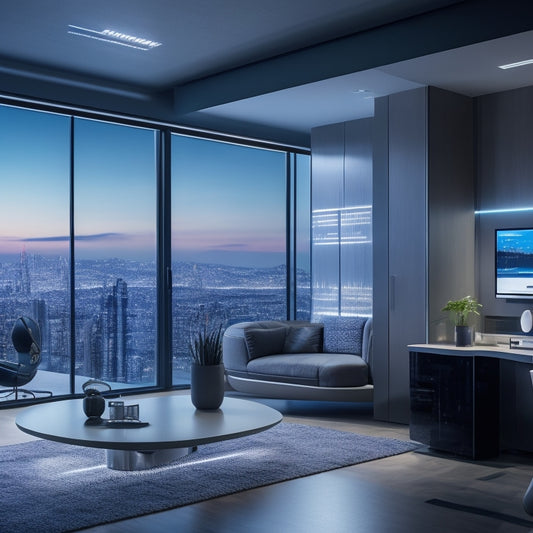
(461, 309)
(206, 347)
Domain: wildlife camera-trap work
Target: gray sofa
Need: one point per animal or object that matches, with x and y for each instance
(327, 359)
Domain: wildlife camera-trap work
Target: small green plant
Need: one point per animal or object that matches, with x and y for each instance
(206, 347)
(461, 309)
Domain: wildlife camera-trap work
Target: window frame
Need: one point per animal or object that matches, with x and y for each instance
(164, 131)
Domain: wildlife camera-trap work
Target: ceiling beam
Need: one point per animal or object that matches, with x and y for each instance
(462, 24)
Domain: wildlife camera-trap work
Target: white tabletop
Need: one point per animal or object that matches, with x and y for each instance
(173, 423)
(499, 352)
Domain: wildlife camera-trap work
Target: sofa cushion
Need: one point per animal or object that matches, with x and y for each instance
(320, 370)
(303, 339)
(261, 342)
(343, 334)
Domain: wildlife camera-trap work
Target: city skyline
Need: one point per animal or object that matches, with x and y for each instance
(228, 237)
(115, 309)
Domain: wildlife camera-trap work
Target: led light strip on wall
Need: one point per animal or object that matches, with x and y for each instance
(508, 210)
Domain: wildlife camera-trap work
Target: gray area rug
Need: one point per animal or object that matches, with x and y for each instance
(52, 487)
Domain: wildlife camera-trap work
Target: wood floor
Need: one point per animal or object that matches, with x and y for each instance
(410, 493)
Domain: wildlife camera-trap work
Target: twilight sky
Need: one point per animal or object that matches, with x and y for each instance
(228, 201)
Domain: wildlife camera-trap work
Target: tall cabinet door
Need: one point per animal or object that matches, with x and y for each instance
(423, 228)
(400, 257)
(407, 243)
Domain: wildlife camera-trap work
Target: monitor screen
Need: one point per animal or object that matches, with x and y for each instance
(514, 263)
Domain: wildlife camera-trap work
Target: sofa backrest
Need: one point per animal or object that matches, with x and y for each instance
(234, 344)
(347, 334)
(247, 340)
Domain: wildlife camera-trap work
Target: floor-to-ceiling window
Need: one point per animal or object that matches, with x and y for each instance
(81, 218)
(34, 237)
(115, 206)
(229, 233)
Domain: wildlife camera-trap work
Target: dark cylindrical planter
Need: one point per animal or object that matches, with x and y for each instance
(207, 386)
(464, 335)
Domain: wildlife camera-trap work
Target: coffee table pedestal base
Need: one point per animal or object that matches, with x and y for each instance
(133, 460)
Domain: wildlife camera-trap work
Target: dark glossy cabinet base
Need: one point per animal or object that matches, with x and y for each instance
(455, 403)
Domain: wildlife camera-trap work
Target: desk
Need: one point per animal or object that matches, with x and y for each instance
(471, 401)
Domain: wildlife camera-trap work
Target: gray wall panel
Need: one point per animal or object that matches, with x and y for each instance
(358, 162)
(505, 157)
(451, 219)
(327, 187)
(356, 252)
(327, 166)
(504, 181)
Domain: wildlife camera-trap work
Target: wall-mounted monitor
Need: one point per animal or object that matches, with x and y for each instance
(514, 263)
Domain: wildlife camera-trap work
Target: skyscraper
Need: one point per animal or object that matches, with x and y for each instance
(114, 334)
(93, 347)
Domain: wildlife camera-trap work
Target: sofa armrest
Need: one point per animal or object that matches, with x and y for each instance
(235, 353)
(367, 346)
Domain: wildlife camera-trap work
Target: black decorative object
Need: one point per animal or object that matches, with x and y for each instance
(26, 338)
(94, 402)
(207, 369)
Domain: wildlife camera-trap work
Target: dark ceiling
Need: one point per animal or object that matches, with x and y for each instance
(286, 65)
(199, 37)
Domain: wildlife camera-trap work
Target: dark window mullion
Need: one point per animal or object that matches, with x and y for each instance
(72, 268)
(164, 283)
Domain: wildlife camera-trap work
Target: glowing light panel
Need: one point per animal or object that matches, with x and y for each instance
(503, 210)
(517, 64)
(114, 37)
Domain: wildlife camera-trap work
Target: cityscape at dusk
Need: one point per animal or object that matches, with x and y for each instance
(228, 241)
(116, 316)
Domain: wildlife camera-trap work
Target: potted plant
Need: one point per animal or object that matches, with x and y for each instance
(461, 311)
(207, 369)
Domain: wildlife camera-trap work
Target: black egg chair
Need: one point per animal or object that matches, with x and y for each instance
(26, 338)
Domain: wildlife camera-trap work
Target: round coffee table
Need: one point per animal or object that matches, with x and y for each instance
(175, 428)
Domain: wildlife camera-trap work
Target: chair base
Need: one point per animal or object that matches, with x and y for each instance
(24, 392)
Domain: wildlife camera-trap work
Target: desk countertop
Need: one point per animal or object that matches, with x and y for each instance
(480, 350)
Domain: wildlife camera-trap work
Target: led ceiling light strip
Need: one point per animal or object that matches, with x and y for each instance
(517, 64)
(114, 37)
